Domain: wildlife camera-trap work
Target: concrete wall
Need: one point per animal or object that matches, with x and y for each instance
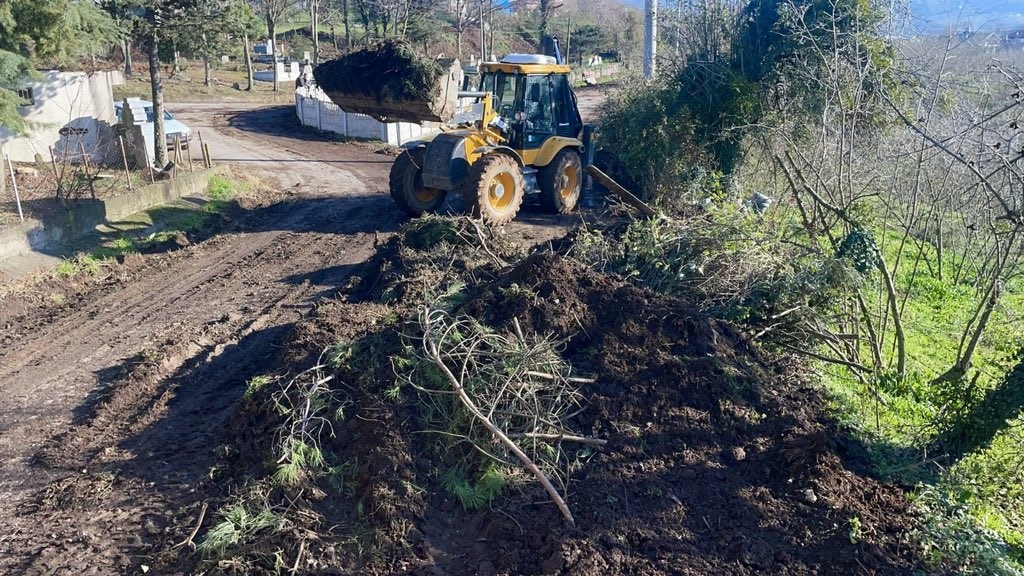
(315, 109)
(284, 73)
(72, 111)
(52, 234)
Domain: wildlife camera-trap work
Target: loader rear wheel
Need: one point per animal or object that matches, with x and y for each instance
(561, 182)
(495, 182)
(406, 184)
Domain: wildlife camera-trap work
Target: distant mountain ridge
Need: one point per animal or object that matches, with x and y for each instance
(943, 15)
(946, 15)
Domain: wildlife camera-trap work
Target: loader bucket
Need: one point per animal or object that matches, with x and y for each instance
(390, 83)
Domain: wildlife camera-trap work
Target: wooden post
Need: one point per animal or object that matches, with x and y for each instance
(206, 153)
(124, 158)
(614, 186)
(88, 175)
(14, 183)
(202, 148)
(188, 149)
(56, 175)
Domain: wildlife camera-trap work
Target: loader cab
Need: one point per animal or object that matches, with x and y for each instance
(533, 96)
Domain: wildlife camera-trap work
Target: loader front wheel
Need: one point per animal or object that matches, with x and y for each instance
(561, 182)
(495, 182)
(406, 185)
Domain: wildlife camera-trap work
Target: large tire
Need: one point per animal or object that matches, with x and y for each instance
(494, 186)
(406, 185)
(561, 182)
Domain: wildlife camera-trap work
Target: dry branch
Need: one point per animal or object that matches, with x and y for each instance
(435, 335)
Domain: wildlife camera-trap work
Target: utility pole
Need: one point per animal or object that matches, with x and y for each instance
(314, 29)
(650, 37)
(568, 37)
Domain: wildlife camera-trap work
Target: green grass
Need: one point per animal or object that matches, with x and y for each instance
(239, 525)
(222, 189)
(154, 226)
(974, 506)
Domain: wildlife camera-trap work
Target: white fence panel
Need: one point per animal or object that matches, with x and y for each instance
(314, 109)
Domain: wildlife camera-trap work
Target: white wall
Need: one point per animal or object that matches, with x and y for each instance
(284, 73)
(72, 110)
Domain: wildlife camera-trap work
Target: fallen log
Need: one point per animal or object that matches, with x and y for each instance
(621, 192)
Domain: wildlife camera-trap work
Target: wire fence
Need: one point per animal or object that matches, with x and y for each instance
(76, 169)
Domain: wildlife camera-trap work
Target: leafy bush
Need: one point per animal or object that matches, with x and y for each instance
(658, 132)
(951, 538)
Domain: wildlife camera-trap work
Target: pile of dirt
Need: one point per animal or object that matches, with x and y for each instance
(389, 81)
(718, 457)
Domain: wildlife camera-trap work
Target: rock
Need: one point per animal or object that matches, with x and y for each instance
(27, 171)
(738, 454)
(810, 496)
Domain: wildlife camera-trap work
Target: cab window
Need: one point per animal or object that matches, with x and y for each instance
(567, 122)
(503, 89)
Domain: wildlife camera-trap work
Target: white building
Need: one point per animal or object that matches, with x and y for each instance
(69, 112)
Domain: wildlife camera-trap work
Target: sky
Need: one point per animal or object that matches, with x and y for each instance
(979, 14)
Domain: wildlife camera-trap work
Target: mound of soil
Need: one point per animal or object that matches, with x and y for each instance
(391, 82)
(718, 461)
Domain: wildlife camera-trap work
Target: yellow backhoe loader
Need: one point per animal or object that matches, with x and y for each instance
(529, 138)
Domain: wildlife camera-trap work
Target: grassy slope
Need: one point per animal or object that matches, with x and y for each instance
(987, 484)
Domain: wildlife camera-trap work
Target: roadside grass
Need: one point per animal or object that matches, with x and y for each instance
(154, 227)
(973, 506)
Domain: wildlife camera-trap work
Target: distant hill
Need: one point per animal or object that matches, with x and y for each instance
(974, 14)
(941, 15)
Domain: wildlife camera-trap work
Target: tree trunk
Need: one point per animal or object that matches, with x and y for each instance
(248, 63)
(458, 41)
(272, 28)
(314, 29)
(995, 291)
(159, 132)
(126, 46)
(206, 61)
(897, 321)
(348, 30)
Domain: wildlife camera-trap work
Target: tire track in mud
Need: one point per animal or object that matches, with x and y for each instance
(111, 411)
(153, 434)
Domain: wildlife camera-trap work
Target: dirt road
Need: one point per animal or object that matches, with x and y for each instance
(112, 407)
